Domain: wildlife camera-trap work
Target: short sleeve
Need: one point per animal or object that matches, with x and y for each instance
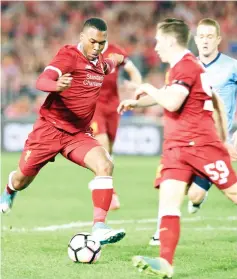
(185, 73)
(64, 61)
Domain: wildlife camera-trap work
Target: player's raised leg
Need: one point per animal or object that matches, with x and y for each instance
(98, 160)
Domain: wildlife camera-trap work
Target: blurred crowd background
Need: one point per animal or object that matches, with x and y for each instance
(33, 32)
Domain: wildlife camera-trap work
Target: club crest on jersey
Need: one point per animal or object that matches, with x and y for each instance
(28, 152)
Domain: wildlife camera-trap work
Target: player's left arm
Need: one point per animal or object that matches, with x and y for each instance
(220, 117)
(133, 72)
(111, 63)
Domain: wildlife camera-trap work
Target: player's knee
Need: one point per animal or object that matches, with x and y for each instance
(196, 195)
(103, 140)
(105, 168)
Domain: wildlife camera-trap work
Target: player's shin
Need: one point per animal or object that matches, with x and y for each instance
(102, 191)
(169, 233)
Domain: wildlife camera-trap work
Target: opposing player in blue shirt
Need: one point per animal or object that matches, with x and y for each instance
(221, 71)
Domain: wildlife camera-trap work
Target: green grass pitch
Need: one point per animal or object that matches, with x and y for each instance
(57, 205)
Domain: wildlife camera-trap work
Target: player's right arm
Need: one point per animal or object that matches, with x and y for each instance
(57, 75)
(173, 96)
(130, 104)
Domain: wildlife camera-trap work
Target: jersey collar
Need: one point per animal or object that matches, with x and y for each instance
(79, 47)
(179, 57)
(213, 61)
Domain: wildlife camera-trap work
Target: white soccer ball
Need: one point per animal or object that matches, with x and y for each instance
(84, 248)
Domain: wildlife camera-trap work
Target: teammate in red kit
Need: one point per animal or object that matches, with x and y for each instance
(191, 144)
(73, 79)
(106, 119)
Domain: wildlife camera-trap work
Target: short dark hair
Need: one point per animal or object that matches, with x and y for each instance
(211, 22)
(177, 27)
(95, 22)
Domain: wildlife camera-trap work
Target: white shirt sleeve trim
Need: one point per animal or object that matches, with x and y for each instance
(54, 69)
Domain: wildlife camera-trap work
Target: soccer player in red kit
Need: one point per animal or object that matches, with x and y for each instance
(73, 79)
(106, 119)
(191, 144)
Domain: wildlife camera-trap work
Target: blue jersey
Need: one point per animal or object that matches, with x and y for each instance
(222, 76)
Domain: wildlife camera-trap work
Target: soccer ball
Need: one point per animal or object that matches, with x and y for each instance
(83, 248)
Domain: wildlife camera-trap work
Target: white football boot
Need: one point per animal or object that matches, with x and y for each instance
(105, 235)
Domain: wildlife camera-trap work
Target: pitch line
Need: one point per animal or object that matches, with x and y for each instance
(124, 222)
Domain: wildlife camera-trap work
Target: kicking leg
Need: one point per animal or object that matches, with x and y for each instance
(98, 160)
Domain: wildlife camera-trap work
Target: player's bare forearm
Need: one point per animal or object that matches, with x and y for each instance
(146, 101)
(220, 118)
(169, 97)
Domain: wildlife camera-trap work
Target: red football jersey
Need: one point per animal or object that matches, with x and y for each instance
(193, 123)
(109, 91)
(73, 109)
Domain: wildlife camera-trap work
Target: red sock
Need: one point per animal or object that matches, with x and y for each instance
(9, 190)
(101, 200)
(114, 192)
(169, 236)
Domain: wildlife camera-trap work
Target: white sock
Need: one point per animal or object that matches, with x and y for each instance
(101, 182)
(10, 181)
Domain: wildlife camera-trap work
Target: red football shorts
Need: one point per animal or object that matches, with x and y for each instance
(211, 161)
(46, 141)
(105, 123)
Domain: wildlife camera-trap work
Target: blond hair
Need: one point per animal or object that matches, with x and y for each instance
(211, 22)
